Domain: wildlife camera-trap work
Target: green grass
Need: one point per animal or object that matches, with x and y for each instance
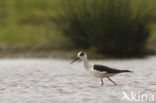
(28, 35)
(29, 22)
(118, 26)
(153, 32)
(32, 22)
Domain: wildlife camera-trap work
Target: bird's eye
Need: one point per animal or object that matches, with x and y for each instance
(82, 54)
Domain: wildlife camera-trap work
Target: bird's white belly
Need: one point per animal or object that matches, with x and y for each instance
(99, 74)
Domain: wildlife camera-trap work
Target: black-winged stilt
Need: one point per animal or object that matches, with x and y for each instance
(99, 71)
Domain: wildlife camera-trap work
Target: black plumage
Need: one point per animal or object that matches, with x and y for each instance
(103, 68)
(82, 54)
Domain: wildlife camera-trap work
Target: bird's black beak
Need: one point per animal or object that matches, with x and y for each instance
(74, 60)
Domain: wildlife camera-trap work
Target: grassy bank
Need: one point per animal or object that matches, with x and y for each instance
(113, 27)
(29, 24)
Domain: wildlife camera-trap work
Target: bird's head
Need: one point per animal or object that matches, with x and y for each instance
(81, 55)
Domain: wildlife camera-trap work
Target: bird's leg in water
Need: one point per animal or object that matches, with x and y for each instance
(112, 81)
(102, 82)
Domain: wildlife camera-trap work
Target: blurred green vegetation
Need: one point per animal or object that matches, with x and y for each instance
(29, 22)
(109, 26)
(34, 23)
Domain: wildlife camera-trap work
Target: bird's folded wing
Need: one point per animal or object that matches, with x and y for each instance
(103, 68)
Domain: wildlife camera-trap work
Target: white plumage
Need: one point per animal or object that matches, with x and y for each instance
(98, 71)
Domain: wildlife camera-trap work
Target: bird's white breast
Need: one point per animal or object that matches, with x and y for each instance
(90, 67)
(98, 74)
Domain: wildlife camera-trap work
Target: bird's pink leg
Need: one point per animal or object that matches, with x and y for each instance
(112, 81)
(102, 82)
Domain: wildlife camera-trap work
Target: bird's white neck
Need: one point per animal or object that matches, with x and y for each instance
(86, 64)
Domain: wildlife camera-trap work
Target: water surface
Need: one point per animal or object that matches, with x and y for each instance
(56, 81)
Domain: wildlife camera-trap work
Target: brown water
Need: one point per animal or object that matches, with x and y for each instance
(56, 81)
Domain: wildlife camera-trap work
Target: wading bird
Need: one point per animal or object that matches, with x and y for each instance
(99, 71)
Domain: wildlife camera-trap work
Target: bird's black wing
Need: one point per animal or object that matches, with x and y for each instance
(103, 68)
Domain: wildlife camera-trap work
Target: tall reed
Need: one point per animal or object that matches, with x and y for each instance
(110, 26)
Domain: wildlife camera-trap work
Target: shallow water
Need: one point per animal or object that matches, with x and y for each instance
(56, 81)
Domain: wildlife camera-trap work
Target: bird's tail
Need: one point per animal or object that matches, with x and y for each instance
(126, 71)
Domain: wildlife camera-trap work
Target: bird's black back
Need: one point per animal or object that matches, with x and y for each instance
(103, 68)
